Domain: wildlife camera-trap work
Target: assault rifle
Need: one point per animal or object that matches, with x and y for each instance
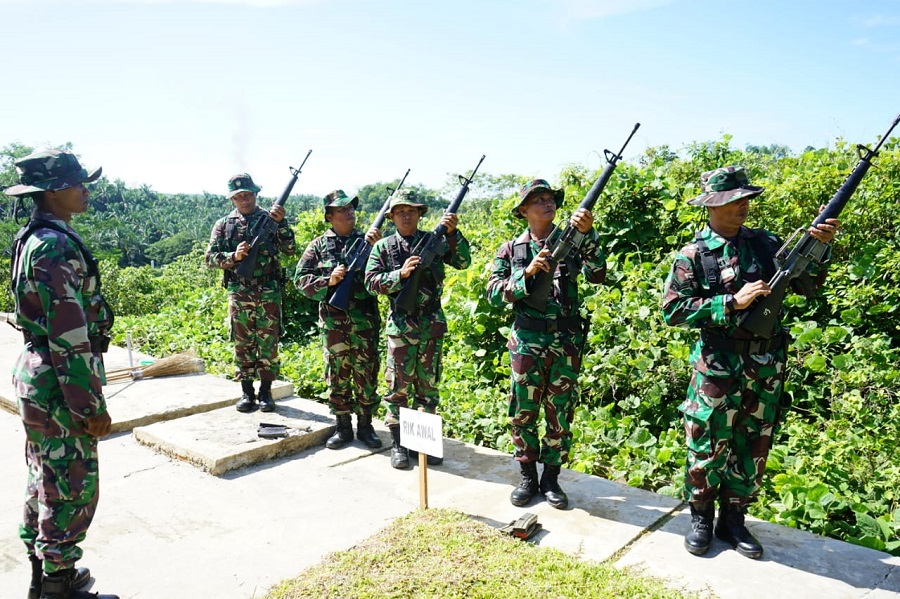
(761, 316)
(426, 250)
(571, 238)
(266, 228)
(358, 255)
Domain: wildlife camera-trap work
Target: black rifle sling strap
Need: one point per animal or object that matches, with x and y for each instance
(763, 248)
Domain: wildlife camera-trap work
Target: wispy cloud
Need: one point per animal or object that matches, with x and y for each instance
(878, 21)
(578, 10)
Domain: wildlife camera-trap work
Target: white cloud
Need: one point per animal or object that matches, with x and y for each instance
(878, 21)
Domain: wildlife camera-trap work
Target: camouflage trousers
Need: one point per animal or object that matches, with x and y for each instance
(61, 496)
(732, 409)
(413, 370)
(550, 382)
(255, 320)
(351, 370)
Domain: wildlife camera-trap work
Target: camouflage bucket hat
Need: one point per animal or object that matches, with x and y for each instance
(725, 185)
(533, 186)
(242, 182)
(338, 198)
(50, 170)
(406, 197)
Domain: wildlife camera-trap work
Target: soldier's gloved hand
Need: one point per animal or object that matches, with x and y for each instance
(98, 426)
(373, 235)
(337, 275)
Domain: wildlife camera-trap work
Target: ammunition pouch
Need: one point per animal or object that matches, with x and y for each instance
(744, 347)
(569, 324)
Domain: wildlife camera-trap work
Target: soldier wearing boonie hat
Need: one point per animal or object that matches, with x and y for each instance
(254, 304)
(350, 338)
(415, 340)
(59, 375)
(734, 402)
(545, 347)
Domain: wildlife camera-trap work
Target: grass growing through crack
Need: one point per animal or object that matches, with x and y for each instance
(445, 554)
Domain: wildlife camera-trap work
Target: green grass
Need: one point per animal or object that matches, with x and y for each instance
(443, 553)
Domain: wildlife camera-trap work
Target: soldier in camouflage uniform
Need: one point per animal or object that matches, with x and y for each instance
(254, 305)
(60, 374)
(350, 338)
(414, 341)
(736, 399)
(545, 347)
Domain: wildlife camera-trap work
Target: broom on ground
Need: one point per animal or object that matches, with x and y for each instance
(172, 366)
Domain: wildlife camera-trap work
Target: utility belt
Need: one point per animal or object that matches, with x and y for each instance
(230, 276)
(744, 347)
(569, 324)
(99, 342)
(368, 306)
(424, 310)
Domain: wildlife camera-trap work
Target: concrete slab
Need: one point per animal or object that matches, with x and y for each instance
(222, 440)
(795, 564)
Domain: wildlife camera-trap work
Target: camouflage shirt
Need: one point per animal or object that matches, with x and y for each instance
(507, 284)
(322, 256)
(688, 298)
(58, 302)
(230, 231)
(383, 277)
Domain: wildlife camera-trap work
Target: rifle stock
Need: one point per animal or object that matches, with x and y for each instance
(426, 250)
(266, 228)
(761, 317)
(359, 254)
(571, 238)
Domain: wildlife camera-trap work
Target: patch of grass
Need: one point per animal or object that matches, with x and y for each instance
(446, 554)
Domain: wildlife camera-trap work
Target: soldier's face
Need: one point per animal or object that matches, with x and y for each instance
(66, 202)
(731, 216)
(540, 207)
(406, 219)
(342, 219)
(244, 201)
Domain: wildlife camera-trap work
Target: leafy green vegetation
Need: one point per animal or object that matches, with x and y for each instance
(442, 553)
(835, 466)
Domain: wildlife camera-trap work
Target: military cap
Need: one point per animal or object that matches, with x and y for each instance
(532, 187)
(242, 182)
(338, 198)
(406, 197)
(50, 170)
(724, 185)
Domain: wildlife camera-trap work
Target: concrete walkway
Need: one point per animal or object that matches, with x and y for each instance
(168, 528)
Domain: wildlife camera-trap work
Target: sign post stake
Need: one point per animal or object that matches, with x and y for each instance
(422, 432)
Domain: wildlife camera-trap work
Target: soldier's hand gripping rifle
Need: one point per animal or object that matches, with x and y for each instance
(358, 255)
(266, 228)
(571, 238)
(761, 316)
(426, 250)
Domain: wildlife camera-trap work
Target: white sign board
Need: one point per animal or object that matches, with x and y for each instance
(421, 432)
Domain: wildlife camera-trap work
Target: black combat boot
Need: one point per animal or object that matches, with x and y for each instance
(731, 529)
(697, 541)
(365, 432)
(60, 585)
(247, 402)
(554, 495)
(343, 433)
(528, 485)
(82, 577)
(266, 403)
(399, 455)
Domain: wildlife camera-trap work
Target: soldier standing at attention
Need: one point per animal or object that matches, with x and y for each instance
(59, 375)
(254, 305)
(545, 347)
(414, 341)
(350, 338)
(735, 400)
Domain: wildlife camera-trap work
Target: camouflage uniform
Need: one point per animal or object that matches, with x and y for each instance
(735, 400)
(545, 348)
(254, 305)
(414, 341)
(350, 338)
(59, 375)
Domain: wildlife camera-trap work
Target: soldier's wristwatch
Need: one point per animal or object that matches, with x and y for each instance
(729, 303)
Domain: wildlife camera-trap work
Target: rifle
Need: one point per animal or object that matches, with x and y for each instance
(266, 228)
(571, 238)
(761, 316)
(426, 250)
(358, 255)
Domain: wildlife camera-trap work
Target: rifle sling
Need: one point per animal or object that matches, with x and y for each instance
(568, 324)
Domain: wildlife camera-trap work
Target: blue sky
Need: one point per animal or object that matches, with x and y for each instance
(181, 94)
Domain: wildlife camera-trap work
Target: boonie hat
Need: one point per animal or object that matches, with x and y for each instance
(406, 197)
(725, 185)
(50, 170)
(338, 198)
(242, 182)
(533, 186)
